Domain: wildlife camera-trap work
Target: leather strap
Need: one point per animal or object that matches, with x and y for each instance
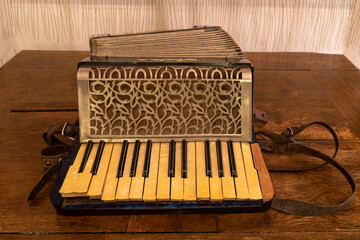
(54, 134)
(259, 115)
(59, 137)
(43, 180)
(280, 143)
(286, 136)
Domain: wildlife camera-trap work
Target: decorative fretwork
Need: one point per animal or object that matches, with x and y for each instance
(133, 101)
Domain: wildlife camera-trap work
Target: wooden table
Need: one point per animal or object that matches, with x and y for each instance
(38, 88)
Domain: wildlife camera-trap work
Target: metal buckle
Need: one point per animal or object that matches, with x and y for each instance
(291, 131)
(63, 131)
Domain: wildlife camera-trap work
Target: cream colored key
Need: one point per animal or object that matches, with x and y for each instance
(84, 179)
(251, 173)
(97, 181)
(190, 180)
(214, 181)
(67, 187)
(123, 187)
(228, 184)
(177, 182)
(151, 181)
(242, 192)
(163, 183)
(137, 182)
(111, 180)
(202, 181)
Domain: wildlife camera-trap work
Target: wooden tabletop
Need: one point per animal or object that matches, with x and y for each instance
(38, 88)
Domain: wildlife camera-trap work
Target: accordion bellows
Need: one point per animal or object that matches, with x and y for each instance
(192, 84)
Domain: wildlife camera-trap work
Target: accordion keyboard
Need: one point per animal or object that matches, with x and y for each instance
(167, 171)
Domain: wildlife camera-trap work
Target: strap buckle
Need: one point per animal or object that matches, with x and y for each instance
(66, 125)
(291, 131)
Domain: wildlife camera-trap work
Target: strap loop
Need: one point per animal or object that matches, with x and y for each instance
(280, 143)
(59, 137)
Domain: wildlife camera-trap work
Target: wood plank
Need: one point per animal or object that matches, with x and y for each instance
(344, 220)
(292, 98)
(343, 88)
(44, 72)
(35, 121)
(21, 154)
(172, 223)
(298, 61)
(334, 235)
(280, 60)
(43, 59)
(331, 62)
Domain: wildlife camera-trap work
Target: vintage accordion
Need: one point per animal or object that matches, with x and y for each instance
(165, 123)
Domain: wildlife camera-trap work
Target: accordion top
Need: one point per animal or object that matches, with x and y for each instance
(192, 84)
(198, 45)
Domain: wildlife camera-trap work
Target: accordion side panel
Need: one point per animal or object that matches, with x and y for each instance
(246, 111)
(162, 102)
(83, 101)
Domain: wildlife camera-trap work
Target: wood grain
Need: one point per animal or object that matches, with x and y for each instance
(21, 154)
(333, 235)
(172, 223)
(343, 88)
(292, 96)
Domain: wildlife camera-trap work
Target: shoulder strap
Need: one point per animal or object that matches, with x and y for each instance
(280, 143)
(59, 137)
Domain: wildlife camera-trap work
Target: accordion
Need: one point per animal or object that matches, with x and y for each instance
(165, 123)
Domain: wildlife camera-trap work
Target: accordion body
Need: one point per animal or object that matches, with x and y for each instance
(184, 94)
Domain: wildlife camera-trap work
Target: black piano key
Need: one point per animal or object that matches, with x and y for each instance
(99, 152)
(232, 159)
(208, 159)
(135, 159)
(122, 159)
(89, 146)
(184, 159)
(219, 159)
(147, 159)
(171, 171)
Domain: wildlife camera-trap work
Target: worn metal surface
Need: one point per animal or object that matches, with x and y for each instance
(165, 102)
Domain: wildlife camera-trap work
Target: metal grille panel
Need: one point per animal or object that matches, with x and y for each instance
(158, 103)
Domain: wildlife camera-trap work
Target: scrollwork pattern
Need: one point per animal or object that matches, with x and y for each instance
(164, 101)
